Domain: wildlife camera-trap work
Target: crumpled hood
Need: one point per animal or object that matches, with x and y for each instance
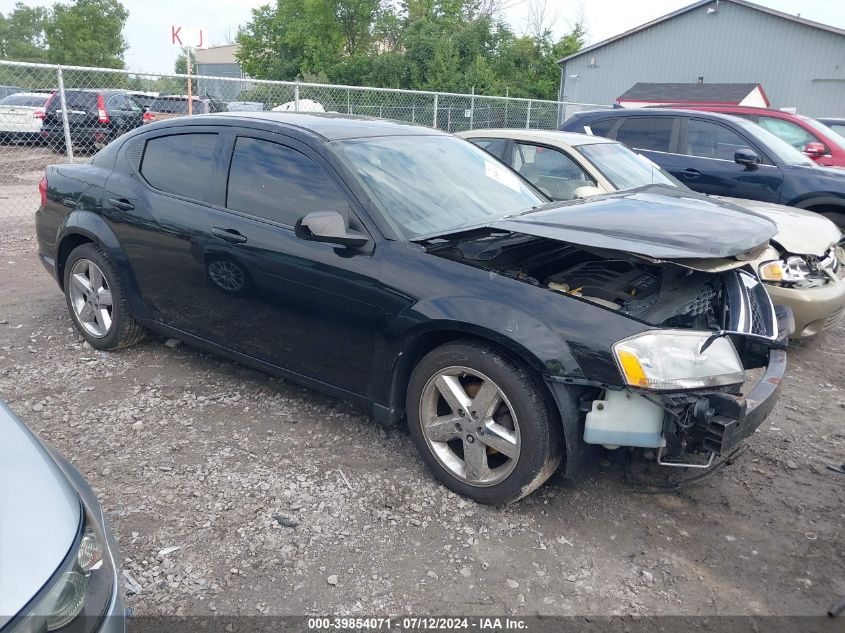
(800, 232)
(657, 222)
(40, 513)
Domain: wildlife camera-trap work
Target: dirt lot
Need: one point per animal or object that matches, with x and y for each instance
(283, 501)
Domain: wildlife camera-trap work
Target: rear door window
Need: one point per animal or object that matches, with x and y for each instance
(706, 139)
(646, 132)
(181, 164)
(278, 183)
(495, 146)
(601, 127)
(552, 171)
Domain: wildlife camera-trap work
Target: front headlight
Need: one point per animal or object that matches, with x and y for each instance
(79, 592)
(672, 359)
(792, 269)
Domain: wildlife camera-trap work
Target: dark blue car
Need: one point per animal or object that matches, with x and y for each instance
(722, 155)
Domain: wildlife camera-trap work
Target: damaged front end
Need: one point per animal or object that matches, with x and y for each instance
(683, 384)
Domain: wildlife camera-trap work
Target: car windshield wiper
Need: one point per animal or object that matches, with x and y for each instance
(522, 212)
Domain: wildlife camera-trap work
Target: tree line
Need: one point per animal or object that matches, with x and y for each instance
(81, 32)
(440, 45)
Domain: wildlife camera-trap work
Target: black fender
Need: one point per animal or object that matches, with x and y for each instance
(565, 354)
(94, 227)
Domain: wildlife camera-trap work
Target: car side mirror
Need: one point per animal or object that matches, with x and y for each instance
(587, 191)
(747, 158)
(329, 226)
(815, 149)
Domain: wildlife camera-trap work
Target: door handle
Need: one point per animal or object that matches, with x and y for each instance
(228, 235)
(121, 203)
(691, 173)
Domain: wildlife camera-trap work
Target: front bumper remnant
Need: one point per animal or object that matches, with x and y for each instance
(735, 417)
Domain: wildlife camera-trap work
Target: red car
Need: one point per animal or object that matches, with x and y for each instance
(807, 135)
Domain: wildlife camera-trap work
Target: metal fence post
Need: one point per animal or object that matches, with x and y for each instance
(472, 109)
(296, 96)
(65, 123)
(528, 116)
(435, 111)
(349, 101)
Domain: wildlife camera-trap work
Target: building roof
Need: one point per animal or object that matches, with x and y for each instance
(693, 7)
(217, 54)
(688, 92)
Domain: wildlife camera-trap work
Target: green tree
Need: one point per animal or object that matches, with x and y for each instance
(444, 72)
(22, 34)
(481, 77)
(180, 66)
(443, 45)
(87, 33)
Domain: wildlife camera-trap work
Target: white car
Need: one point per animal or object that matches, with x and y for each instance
(803, 268)
(305, 105)
(21, 115)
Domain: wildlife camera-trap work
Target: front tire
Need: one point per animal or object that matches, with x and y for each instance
(481, 423)
(96, 300)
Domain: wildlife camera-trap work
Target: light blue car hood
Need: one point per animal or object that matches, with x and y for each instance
(40, 514)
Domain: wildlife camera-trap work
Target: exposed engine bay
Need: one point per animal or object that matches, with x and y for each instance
(663, 294)
(658, 293)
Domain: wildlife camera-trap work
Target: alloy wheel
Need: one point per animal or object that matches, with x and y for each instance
(228, 275)
(470, 426)
(91, 298)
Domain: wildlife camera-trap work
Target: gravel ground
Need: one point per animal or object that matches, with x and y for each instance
(283, 501)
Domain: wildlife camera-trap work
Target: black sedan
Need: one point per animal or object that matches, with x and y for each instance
(722, 155)
(408, 270)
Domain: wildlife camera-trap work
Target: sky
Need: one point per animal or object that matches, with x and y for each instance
(148, 26)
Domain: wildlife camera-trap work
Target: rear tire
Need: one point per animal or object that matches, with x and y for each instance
(96, 300)
(493, 436)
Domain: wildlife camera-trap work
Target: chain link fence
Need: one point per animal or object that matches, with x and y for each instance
(51, 114)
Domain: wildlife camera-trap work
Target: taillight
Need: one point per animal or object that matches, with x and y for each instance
(42, 189)
(102, 113)
(149, 117)
(42, 114)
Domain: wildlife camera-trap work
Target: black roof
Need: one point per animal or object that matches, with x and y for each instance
(332, 126)
(689, 92)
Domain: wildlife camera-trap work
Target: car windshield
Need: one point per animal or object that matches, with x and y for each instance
(626, 169)
(833, 137)
(782, 151)
(429, 185)
(36, 101)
